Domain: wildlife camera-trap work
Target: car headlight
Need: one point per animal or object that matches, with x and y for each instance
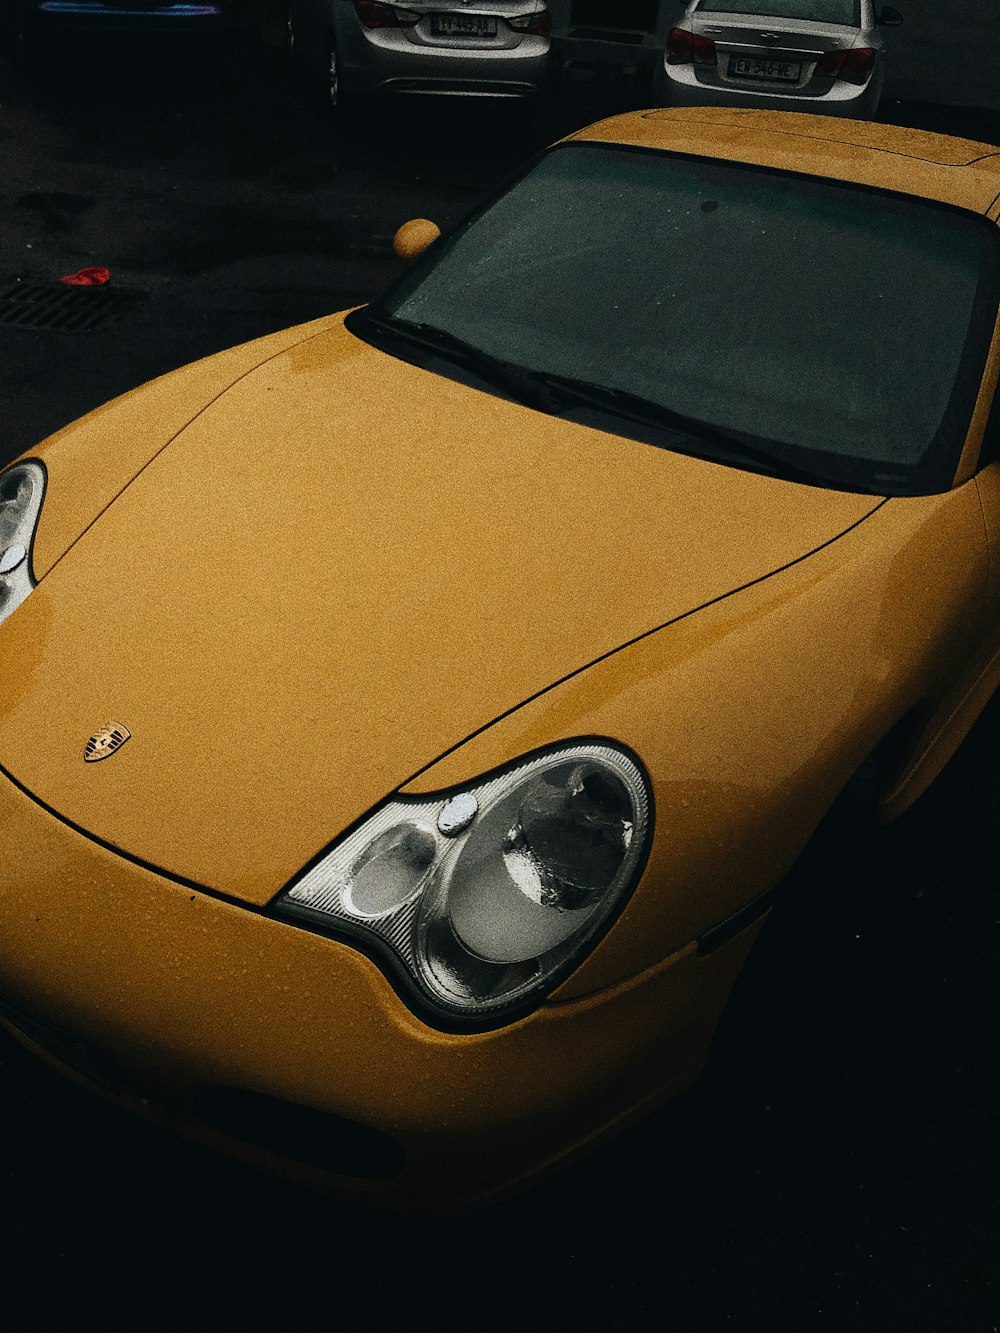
(21, 490)
(481, 900)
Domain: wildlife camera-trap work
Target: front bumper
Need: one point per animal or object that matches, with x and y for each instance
(216, 1020)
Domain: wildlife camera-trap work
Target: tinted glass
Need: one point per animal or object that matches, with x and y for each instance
(846, 323)
(819, 11)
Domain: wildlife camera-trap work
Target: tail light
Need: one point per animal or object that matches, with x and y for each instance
(375, 14)
(851, 66)
(539, 25)
(689, 48)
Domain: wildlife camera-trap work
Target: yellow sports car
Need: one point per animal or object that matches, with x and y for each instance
(405, 718)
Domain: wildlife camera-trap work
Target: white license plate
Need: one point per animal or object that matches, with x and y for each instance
(463, 25)
(756, 67)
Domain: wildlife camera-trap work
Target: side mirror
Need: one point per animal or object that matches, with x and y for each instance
(414, 237)
(888, 17)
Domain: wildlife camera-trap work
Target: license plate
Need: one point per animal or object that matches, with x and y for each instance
(757, 67)
(463, 25)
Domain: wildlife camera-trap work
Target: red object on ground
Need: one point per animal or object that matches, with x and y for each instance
(88, 277)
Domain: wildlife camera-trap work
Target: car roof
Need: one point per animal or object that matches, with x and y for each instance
(890, 157)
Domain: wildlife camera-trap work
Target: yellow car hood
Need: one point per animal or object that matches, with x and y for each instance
(345, 566)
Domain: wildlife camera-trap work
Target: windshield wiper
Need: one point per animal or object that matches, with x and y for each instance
(553, 393)
(646, 412)
(523, 385)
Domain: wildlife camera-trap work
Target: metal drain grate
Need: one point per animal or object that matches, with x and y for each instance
(61, 309)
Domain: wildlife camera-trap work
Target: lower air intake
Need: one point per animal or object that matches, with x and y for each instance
(314, 1138)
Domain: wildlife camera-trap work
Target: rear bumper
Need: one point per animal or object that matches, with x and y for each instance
(374, 63)
(678, 86)
(235, 1029)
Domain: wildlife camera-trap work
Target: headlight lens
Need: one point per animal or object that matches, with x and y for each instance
(21, 490)
(482, 900)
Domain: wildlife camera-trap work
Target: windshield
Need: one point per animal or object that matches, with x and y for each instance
(818, 11)
(843, 326)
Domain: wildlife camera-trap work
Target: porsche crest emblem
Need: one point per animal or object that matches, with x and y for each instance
(111, 737)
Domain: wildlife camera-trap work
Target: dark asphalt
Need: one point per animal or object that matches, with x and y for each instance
(838, 1168)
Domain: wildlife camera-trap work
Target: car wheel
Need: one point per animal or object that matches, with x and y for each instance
(332, 87)
(315, 68)
(297, 56)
